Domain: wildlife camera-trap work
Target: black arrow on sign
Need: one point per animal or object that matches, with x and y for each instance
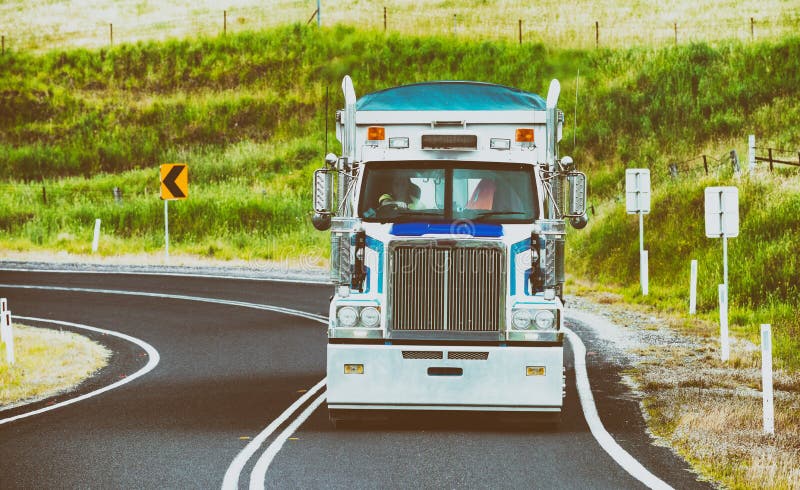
(169, 181)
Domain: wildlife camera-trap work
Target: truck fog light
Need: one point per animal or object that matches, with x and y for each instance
(353, 369)
(370, 317)
(521, 319)
(347, 316)
(545, 320)
(535, 371)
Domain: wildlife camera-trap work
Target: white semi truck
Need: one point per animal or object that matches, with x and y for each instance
(447, 212)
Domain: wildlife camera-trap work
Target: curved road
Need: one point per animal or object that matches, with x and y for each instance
(231, 365)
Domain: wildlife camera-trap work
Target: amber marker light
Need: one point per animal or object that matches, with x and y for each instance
(524, 135)
(376, 133)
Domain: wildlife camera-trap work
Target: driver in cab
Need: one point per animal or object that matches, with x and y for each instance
(403, 195)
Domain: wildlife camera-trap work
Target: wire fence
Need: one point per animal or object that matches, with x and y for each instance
(472, 24)
(777, 156)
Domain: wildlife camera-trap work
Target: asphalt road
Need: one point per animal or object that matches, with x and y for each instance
(227, 371)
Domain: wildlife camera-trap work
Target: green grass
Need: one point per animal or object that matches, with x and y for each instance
(247, 113)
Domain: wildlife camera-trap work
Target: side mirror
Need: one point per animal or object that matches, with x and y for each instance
(323, 190)
(576, 183)
(323, 198)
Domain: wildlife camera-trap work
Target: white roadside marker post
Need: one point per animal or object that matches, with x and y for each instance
(637, 201)
(9, 337)
(693, 288)
(766, 376)
(3, 309)
(722, 221)
(96, 240)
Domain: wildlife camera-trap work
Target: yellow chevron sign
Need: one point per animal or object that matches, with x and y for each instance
(174, 181)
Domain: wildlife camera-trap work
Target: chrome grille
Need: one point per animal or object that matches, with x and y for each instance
(455, 288)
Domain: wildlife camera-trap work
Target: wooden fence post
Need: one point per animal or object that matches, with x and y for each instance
(520, 31)
(384, 19)
(596, 34)
(4, 45)
(770, 159)
(752, 30)
(705, 163)
(224, 22)
(111, 33)
(676, 33)
(44, 195)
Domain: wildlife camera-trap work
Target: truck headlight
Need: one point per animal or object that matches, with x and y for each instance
(545, 320)
(347, 316)
(521, 319)
(370, 317)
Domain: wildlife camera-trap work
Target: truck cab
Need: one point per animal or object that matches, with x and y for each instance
(447, 212)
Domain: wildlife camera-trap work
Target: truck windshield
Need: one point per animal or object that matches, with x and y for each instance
(448, 191)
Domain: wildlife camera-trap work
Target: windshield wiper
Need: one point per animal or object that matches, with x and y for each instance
(494, 213)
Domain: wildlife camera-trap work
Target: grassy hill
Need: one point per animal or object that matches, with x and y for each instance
(247, 113)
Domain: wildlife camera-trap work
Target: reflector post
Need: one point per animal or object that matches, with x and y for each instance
(376, 133)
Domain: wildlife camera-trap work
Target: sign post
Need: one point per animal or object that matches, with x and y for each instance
(174, 186)
(722, 221)
(637, 201)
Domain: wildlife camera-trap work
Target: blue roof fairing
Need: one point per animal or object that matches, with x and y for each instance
(451, 96)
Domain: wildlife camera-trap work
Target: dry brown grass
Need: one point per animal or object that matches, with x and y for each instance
(711, 412)
(47, 362)
(47, 23)
(707, 410)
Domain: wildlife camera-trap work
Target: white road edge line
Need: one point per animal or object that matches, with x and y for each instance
(231, 480)
(278, 309)
(173, 274)
(259, 473)
(606, 441)
(152, 362)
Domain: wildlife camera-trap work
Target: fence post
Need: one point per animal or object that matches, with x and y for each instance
(520, 31)
(596, 34)
(752, 30)
(44, 196)
(676, 33)
(4, 45)
(751, 152)
(705, 163)
(384, 19)
(770, 159)
(111, 34)
(224, 22)
(735, 162)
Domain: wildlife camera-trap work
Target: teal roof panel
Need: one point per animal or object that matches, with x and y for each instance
(451, 96)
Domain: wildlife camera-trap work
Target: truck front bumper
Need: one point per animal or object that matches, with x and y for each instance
(415, 377)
